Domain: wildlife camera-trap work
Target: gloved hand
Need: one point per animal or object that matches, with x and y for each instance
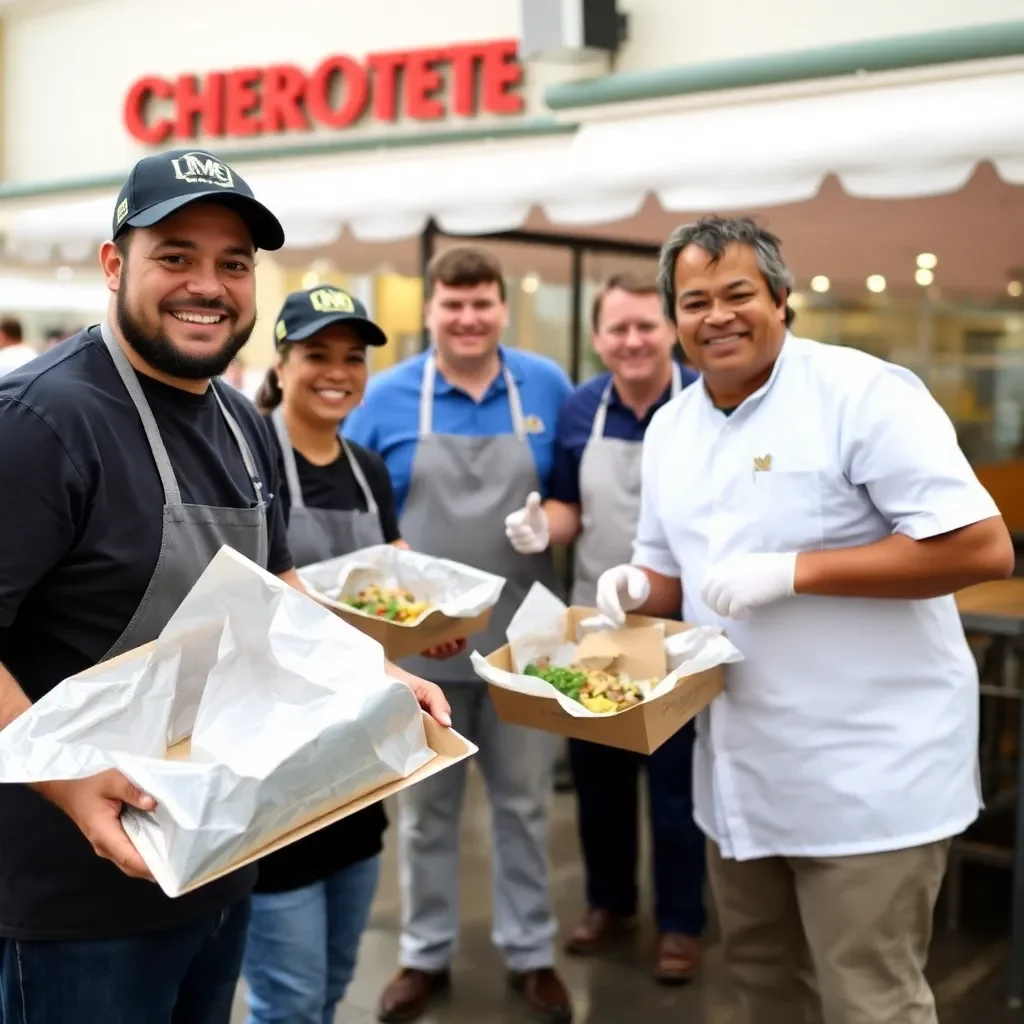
(527, 530)
(621, 590)
(741, 582)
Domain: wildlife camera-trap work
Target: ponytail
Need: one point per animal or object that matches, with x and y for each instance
(269, 395)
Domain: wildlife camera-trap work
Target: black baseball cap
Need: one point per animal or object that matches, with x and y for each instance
(159, 185)
(307, 312)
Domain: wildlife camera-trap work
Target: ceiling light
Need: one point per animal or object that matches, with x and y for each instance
(927, 260)
(530, 283)
(797, 300)
(310, 279)
(876, 283)
(924, 277)
(1015, 289)
(820, 284)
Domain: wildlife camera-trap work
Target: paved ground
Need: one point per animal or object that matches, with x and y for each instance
(967, 968)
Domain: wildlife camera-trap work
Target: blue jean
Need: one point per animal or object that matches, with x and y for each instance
(184, 975)
(606, 780)
(302, 946)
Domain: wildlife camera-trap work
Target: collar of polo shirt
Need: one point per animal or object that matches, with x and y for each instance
(442, 387)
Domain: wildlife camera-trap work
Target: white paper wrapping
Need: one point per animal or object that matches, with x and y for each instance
(453, 589)
(289, 709)
(538, 629)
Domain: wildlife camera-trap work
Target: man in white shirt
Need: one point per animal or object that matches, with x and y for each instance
(822, 512)
(13, 351)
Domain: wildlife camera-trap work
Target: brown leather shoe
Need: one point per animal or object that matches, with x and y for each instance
(678, 959)
(408, 994)
(545, 995)
(598, 930)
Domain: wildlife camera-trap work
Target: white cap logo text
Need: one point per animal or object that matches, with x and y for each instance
(202, 169)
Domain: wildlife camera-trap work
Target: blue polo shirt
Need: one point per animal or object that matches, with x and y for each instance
(388, 420)
(576, 421)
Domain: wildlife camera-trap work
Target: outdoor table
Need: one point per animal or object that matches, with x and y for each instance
(995, 610)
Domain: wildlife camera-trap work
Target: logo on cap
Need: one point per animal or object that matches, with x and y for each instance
(331, 300)
(122, 210)
(280, 331)
(202, 169)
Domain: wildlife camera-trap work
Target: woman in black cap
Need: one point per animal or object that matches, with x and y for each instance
(312, 900)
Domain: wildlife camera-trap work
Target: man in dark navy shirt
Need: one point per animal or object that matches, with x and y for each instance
(594, 501)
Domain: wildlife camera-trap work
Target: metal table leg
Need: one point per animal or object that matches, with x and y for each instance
(1017, 924)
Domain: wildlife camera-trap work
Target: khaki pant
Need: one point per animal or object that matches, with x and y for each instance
(834, 940)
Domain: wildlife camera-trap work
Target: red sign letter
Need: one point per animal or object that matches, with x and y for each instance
(385, 87)
(502, 72)
(135, 106)
(207, 102)
(421, 80)
(318, 92)
(462, 80)
(241, 101)
(283, 89)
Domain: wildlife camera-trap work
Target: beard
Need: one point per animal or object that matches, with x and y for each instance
(160, 352)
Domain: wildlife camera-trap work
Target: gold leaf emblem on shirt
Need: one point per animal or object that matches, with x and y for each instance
(762, 463)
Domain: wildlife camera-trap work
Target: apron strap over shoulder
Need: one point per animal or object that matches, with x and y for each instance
(172, 493)
(243, 445)
(291, 470)
(426, 425)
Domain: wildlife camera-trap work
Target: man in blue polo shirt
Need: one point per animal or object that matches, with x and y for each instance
(468, 432)
(594, 500)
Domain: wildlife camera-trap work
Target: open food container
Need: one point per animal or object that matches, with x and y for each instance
(569, 671)
(407, 601)
(256, 718)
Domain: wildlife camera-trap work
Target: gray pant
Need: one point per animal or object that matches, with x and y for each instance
(517, 766)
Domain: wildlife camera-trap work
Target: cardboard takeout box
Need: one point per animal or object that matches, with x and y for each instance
(468, 593)
(399, 640)
(637, 650)
(449, 748)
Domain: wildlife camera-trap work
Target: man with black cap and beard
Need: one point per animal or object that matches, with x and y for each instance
(124, 467)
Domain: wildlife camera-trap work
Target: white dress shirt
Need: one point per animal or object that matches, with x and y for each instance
(852, 725)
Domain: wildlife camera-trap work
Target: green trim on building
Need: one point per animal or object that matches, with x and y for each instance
(976, 42)
(405, 140)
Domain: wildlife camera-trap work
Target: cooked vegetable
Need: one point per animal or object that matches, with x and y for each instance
(596, 690)
(391, 603)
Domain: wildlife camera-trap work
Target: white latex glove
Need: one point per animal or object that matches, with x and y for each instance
(527, 530)
(621, 590)
(741, 582)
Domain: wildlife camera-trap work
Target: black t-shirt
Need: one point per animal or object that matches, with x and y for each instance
(359, 836)
(80, 528)
(334, 486)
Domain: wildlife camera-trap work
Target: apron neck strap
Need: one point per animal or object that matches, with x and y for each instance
(597, 430)
(291, 469)
(172, 493)
(427, 400)
(357, 472)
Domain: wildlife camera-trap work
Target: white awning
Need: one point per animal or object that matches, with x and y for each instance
(893, 142)
(884, 142)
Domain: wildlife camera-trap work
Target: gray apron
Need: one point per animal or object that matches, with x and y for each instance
(460, 492)
(317, 534)
(192, 534)
(609, 501)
